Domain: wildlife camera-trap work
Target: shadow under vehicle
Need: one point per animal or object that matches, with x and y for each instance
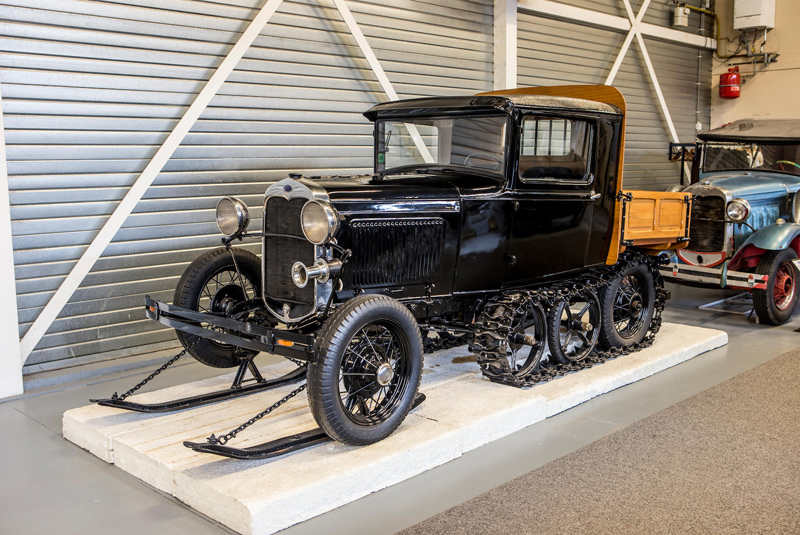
(496, 220)
(745, 230)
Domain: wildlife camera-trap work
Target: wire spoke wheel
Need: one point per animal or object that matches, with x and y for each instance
(776, 304)
(627, 305)
(366, 371)
(221, 293)
(630, 308)
(373, 375)
(785, 284)
(212, 285)
(574, 328)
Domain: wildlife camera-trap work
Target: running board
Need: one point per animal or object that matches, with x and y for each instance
(205, 399)
(274, 448)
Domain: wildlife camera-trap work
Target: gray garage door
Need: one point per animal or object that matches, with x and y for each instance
(91, 89)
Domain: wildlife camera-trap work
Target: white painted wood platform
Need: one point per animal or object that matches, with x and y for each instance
(463, 411)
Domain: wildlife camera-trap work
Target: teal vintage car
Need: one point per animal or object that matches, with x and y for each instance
(745, 218)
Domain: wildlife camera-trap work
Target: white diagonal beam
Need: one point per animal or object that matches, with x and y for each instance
(657, 87)
(10, 363)
(124, 209)
(650, 70)
(613, 22)
(379, 73)
(635, 21)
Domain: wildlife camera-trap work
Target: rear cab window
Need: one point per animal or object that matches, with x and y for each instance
(555, 150)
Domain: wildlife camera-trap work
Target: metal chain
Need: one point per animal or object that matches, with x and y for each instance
(150, 377)
(222, 440)
(445, 340)
(494, 324)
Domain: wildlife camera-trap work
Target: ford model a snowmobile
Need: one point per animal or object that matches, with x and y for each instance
(496, 220)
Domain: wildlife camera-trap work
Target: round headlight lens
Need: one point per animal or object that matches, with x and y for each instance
(738, 210)
(320, 221)
(232, 216)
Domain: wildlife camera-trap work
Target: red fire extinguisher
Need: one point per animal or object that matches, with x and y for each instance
(730, 83)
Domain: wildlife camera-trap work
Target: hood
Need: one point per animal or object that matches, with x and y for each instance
(408, 192)
(371, 188)
(750, 185)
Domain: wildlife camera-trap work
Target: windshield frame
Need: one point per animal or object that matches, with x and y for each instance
(745, 143)
(436, 167)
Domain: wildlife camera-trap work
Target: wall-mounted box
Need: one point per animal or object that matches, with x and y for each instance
(753, 14)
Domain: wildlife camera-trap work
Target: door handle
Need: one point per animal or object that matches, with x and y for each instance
(593, 196)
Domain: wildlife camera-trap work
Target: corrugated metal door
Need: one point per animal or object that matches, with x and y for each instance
(553, 52)
(91, 90)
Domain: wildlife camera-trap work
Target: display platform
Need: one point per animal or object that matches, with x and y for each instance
(462, 412)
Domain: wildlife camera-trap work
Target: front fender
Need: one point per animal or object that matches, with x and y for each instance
(774, 237)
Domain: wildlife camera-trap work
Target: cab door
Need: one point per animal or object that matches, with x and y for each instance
(553, 198)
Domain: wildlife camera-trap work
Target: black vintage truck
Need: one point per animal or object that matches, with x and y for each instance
(496, 220)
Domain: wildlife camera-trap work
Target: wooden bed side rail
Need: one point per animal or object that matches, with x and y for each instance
(655, 219)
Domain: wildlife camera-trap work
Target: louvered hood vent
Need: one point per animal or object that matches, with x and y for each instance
(394, 252)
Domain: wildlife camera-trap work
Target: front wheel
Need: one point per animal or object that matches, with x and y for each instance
(366, 371)
(776, 304)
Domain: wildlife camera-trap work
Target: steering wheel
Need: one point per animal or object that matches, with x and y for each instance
(486, 156)
(781, 162)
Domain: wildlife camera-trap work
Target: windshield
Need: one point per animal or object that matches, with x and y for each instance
(474, 143)
(742, 156)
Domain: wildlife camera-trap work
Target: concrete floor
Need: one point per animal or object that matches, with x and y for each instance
(51, 486)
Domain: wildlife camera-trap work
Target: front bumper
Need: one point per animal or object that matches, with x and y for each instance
(238, 333)
(718, 277)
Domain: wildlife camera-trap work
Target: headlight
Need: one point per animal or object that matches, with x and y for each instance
(738, 210)
(320, 221)
(232, 216)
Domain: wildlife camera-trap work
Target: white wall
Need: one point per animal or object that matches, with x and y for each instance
(10, 363)
(767, 91)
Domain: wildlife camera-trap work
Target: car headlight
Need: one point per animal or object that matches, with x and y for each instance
(320, 221)
(738, 210)
(232, 216)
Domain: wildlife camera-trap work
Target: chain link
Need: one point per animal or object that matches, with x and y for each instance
(150, 377)
(494, 324)
(444, 340)
(222, 440)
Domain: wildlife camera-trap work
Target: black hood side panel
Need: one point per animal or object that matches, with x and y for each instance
(403, 230)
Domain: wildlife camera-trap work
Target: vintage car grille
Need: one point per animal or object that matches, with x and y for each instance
(707, 231)
(282, 217)
(392, 252)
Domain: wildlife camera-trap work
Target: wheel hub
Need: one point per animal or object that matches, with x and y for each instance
(384, 374)
(783, 289)
(636, 305)
(227, 297)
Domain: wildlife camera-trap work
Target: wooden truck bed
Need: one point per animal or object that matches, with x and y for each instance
(655, 219)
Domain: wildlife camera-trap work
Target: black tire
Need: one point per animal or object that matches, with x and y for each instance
(626, 307)
(566, 323)
(203, 287)
(360, 339)
(776, 304)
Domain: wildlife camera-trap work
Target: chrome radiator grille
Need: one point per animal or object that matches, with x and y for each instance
(707, 231)
(282, 217)
(392, 252)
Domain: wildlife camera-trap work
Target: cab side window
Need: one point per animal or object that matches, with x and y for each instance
(555, 150)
